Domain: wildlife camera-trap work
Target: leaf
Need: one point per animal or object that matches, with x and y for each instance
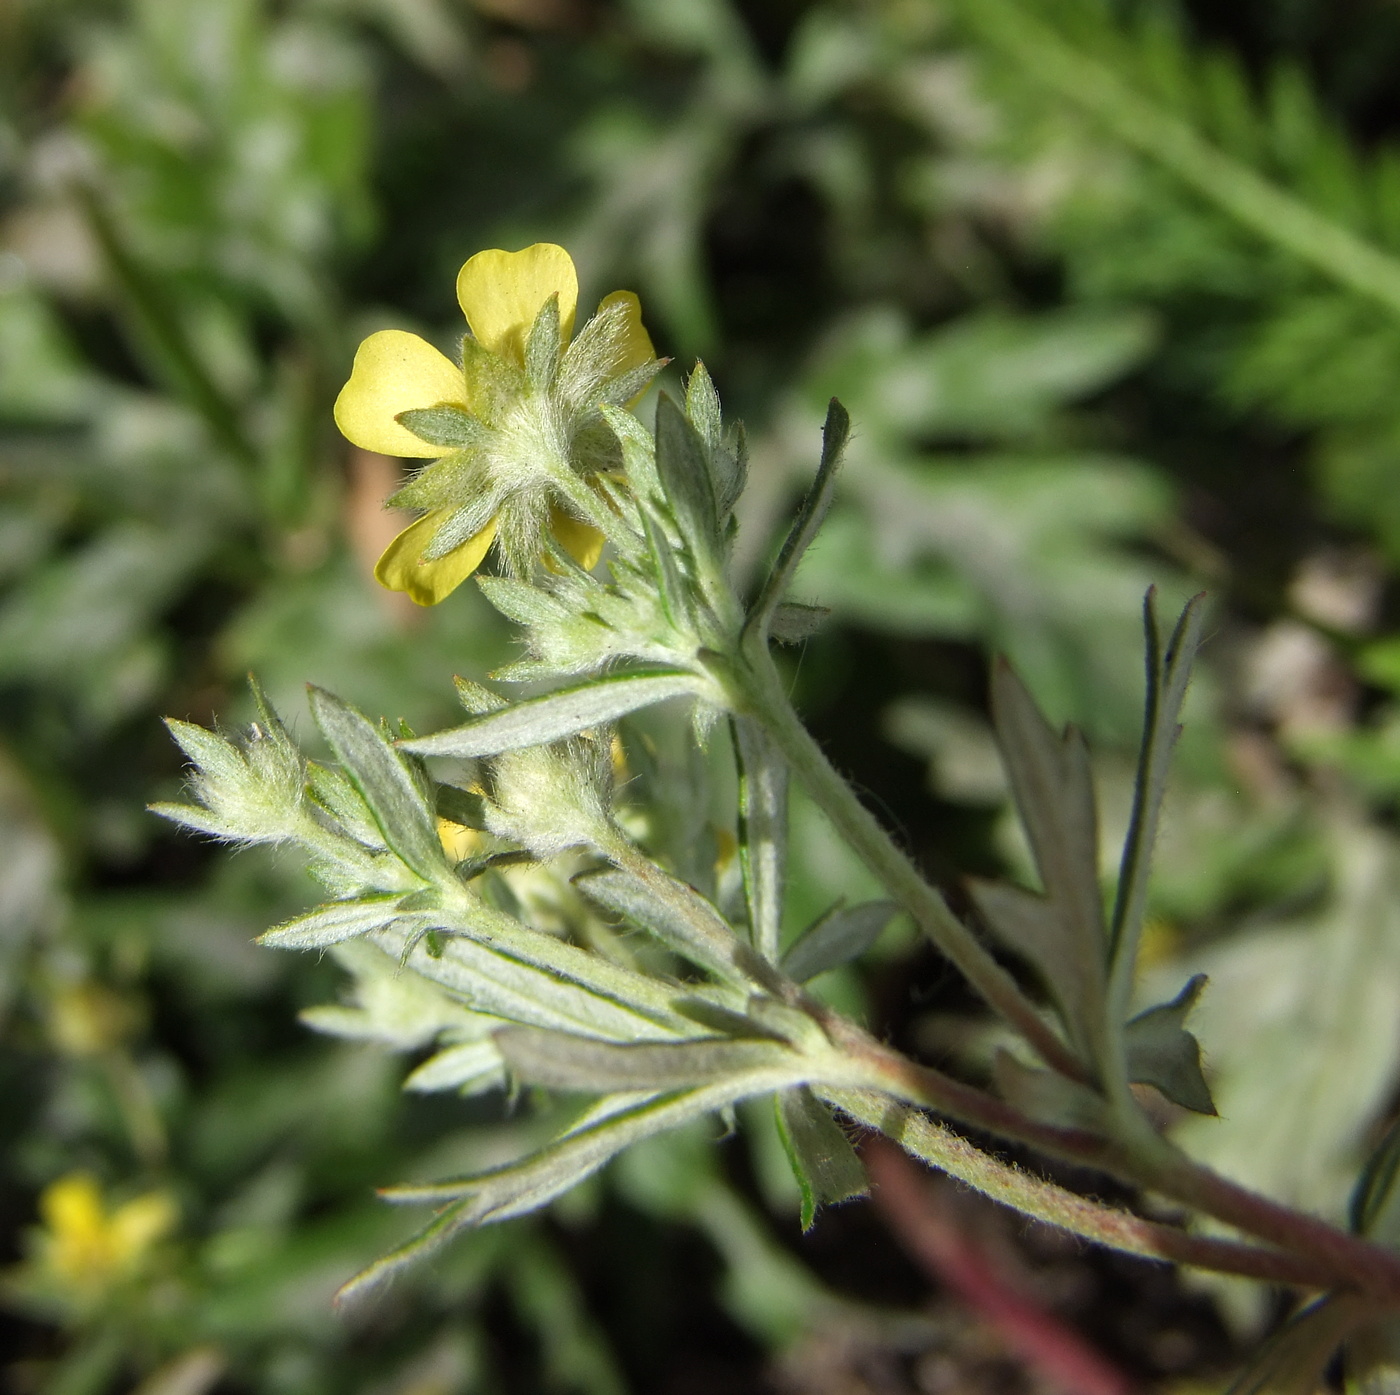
(810, 515)
(684, 471)
(443, 426)
(384, 781)
(822, 1159)
(462, 807)
(1047, 1096)
(1294, 1360)
(1168, 673)
(501, 984)
(763, 831)
(539, 721)
(331, 924)
(471, 1068)
(681, 919)
(534, 1181)
(1054, 793)
(841, 935)
(1034, 928)
(793, 622)
(565, 1062)
(1161, 1052)
(1372, 1210)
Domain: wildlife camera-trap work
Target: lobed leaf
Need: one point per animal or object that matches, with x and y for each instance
(388, 787)
(336, 922)
(844, 933)
(825, 1164)
(1161, 1052)
(540, 721)
(561, 1061)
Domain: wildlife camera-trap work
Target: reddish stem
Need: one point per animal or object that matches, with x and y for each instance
(951, 1256)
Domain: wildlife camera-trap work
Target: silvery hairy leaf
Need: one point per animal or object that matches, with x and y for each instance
(728, 467)
(389, 788)
(336, 794)
(793, 622)
(338, 921)
(470, 1068)
(810, 514)
(563, 1062)
(684, 470)
(681, 919)
(763, 831)
(822, 1159)
(534, 1181)
(1161, 1052)
(844, 933)
(542, 720)
(501, 985)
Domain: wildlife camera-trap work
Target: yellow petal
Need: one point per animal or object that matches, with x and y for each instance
(582, 541)
(72, 1207)
(138, 1224)
(396, 372)
(636, 345)
(501, 293)
(401, 568)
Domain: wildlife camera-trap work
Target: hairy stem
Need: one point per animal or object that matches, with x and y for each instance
(769, 705)
(1111, 1226)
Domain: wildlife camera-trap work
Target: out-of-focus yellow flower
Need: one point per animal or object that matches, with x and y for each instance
(86, 1019)
(84, 1248)
(501, 294)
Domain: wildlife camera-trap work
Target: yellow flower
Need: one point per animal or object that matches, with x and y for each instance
(502, 294)
(84, 1247)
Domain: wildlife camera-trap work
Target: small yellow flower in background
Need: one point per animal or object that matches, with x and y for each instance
(84, 1248)
(488, 416)
(86, 1019)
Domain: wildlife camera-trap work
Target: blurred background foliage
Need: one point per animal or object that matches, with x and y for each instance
(1113, 294)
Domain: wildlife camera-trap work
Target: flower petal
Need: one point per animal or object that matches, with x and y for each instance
(582, 541)
(636, 347)
(401, 568)
(501, 293)
(396, 372)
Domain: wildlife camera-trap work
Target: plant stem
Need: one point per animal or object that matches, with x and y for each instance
(1117, 1229)
(1333, 1257)
(764, 699)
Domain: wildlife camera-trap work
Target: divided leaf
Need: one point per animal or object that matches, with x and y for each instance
(835, 433)
(763, 831)
(1161, 1052)
(542, 720)
(700, 935)
(389, 788)
(684, 471)
(336, 922)
(827, 1167)
(844, 933)
(1033, 926)
(1047, 1096)
(561, 1061)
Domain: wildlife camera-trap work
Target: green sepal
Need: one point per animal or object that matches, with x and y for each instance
(444, 425)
